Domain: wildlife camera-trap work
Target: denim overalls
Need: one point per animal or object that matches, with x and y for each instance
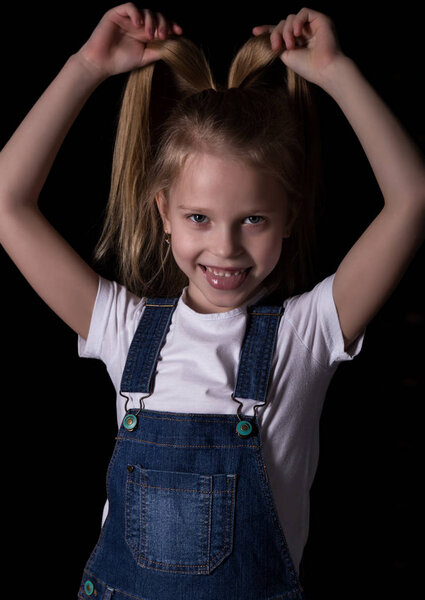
(191, 516)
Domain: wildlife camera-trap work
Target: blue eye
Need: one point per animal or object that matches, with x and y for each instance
(255, 217)
(197, 221)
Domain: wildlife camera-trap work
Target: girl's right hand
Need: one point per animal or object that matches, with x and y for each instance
(119, 42)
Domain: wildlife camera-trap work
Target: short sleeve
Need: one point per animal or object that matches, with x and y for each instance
(115, 317)
(91, 348)
(315, 318)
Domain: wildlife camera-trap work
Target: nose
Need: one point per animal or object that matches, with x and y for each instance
(226, 243)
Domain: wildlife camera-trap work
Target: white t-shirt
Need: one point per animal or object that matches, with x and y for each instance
(197, 368)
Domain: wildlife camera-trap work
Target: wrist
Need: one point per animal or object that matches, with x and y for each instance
(336, 73)
(92, 72)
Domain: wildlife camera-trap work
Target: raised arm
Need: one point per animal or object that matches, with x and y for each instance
(56, 272)
(373, 267)
(375, 264)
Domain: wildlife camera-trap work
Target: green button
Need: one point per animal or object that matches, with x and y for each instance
(130, 422)
(88, 587)
(243, 428)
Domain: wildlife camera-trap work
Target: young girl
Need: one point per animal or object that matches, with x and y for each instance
(219, 351)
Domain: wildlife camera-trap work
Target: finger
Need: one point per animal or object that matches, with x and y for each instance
(134, 14)
(275, 35)
(177, 28)
(258, 29)
(162, 26)
(276, 39)
(148, 22)
(309, 21)
(174, 28)
(129, 10)
(288, 32)
(300, 20)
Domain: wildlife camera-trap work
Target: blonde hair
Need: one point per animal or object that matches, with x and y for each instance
(174, 108)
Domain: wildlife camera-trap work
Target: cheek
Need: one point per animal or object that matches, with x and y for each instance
(269, 249)
(185, 246)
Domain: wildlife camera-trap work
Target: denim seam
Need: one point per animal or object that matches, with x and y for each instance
(261, 388)
(93, 555)
(272, 330)
(260, 374)
(255, 446)
(249, 343)
(148, 366)
(283, 547)
(227, 542)
(206, 504)
(224, 417)
(154, 349)
(197, 569)
(155, 324)
(157, 487)
(128, 529)
(147, 563)
(133, 351)
(143, 542)
(287, 596)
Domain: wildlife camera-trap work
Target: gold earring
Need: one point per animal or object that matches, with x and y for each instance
(167, 237)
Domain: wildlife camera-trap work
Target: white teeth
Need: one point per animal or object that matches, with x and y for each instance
(225, 274)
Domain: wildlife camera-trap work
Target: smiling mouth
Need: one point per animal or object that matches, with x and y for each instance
(225, 280)
(225, 272)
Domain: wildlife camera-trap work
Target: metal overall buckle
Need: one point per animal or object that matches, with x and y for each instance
(130, 420)
(244, 428)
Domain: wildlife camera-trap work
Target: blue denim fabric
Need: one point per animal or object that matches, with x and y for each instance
(191, 514)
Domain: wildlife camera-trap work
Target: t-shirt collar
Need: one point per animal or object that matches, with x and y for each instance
(219, 315)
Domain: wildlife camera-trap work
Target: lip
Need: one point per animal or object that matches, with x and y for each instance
(228, 269)
(228, 281)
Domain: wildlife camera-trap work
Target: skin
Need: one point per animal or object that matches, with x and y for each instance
(127, 38)
(235, 217)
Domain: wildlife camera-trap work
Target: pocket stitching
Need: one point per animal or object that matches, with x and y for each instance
(206, 563)
(229, 524)
(147, 562)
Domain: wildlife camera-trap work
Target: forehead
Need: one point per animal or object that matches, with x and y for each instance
(209, 177)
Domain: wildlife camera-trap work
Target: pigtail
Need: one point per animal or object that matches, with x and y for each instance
(257, 66)
(132, 228)
(302, 96)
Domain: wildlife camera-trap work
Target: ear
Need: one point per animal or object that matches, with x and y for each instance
(162, 205)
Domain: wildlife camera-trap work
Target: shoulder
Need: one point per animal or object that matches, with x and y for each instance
(313, 316)
(301, 307)
(116, 314)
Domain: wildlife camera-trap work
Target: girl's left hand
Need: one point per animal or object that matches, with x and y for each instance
(309, 43)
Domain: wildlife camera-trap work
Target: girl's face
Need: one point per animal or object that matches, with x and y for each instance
(227, 221)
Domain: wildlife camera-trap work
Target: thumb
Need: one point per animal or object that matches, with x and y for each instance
(286, 57)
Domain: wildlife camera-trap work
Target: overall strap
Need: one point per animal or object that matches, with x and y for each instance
(146, 345)
(257, 351)
(254, 361)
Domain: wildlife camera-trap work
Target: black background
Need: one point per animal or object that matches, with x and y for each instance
(59, 410)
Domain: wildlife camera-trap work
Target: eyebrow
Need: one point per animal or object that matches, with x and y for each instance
(199, 210)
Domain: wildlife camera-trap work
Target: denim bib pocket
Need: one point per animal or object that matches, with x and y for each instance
(179, 522)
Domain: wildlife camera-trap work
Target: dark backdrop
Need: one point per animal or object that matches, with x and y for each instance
(59, 410)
